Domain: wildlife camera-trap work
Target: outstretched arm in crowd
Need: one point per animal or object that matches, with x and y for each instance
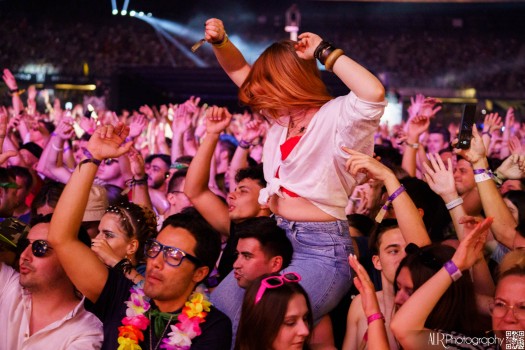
(409, 321)
(139, 181)
(251, 132)
(50, 164)
(229, 57)
(359, 80)
(410, 222)
(415, 127)
(376, 333)
(504, 224)
(82, 266)
(211, 207)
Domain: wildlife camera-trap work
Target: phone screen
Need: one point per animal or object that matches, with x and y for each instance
(467, 120)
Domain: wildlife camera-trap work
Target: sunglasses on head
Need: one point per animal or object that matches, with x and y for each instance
(172, 256)
(275, 282)
(39, 247)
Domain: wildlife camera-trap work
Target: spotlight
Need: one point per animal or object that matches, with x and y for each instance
(132, 13)
(114, 12)
(123, 12)
(141, 13)
(149, 14)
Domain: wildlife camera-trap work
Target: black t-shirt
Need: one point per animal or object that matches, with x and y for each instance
(110, 308)
(228, 254)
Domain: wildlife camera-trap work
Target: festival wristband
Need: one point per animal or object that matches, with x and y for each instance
(384, 208)
(482, 177)
(374, 317)
(454, 203)
(453, 270)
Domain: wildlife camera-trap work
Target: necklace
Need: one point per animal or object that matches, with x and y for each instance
(161, 336)
(182, 333)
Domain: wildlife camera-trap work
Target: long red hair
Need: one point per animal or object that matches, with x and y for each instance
(280, 80)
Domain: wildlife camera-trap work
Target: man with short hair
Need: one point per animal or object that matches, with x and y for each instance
(178, 259)
(24, 180)
(40, 307)
(438, 139)
(175, 196)
(262, 248)
(158, 171)
(8, 188)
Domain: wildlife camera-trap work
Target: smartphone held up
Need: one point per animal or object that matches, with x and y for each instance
(467, 121)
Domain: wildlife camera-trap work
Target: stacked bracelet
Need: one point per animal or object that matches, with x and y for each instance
(244, 144)
(453, 270)
(384, 208)
(134, 182)
(221, 43)
(374, 317)
(330, 61)
(481, 175)
(454, 203)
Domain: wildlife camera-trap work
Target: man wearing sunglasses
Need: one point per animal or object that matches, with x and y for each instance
(177, 260)
(40, 307)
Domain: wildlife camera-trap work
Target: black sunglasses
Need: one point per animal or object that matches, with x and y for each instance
(39, 247)
(172, 256)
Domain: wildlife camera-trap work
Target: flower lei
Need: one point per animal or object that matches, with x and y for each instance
(193, 313)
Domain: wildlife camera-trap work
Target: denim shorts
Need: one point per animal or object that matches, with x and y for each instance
(320, 256)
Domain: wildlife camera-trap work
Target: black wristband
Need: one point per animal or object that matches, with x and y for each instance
(323, 50)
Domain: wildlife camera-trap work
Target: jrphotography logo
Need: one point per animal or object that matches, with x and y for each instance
(512, 340)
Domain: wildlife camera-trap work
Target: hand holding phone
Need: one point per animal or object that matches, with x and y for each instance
(467, 120)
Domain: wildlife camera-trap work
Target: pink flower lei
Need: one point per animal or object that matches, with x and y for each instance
(193, 313)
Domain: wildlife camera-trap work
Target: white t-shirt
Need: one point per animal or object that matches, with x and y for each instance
(315, 168)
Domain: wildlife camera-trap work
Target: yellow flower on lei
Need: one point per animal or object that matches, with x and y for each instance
(127, 344)
(196, 306)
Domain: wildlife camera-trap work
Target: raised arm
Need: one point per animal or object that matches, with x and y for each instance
(410, 222)
(504, 224)
(213, 209)
(409, 321)
(359, 80)
(82, 266)
(415, 127)
(50, 163)
(229, 57)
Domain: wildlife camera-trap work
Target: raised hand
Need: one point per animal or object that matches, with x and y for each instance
(513, 167)
(88, 124)
(252, 130)
(136, 162)
(509, 119)
(217, 119)
(441, 178)
(470, 247)
(4, 156)
(108, 141)
(9, 79)
(365, 287)
(306, 45)
(477, 150)
(417, 125)
(492, 122)
(137, 125)
(65, 129)
(515, 145)
(147, 111)
(362, 163)
(214, 30)
(104, 252)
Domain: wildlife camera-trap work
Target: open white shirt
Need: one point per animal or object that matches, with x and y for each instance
(315, 169)
(78, 330)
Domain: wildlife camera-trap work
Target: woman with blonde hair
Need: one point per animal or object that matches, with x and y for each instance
(304, 164)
